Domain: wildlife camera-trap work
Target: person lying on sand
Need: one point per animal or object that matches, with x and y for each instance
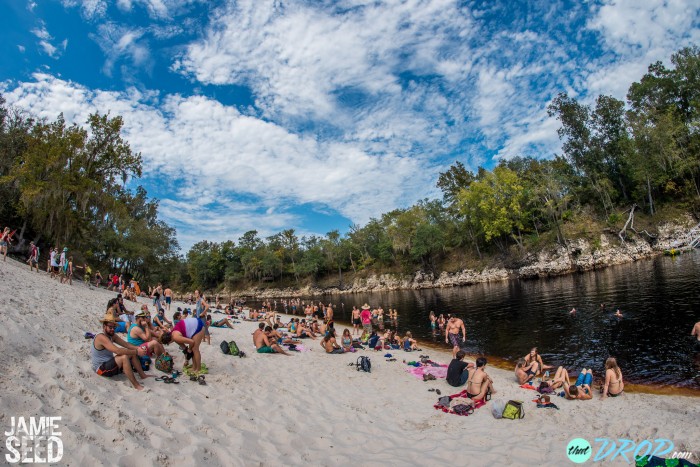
(582, 388)
(223, 322)
(479, 384)
(104, 361)
(263, 344)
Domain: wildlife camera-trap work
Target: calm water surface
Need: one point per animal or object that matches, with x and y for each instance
(659, 298)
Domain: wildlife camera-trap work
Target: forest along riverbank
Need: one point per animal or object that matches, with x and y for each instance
(579, 256)
(652, 341)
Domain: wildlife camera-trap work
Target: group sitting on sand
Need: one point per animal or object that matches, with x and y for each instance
(146, 336)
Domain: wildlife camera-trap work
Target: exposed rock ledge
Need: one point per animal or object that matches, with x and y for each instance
(581, 255)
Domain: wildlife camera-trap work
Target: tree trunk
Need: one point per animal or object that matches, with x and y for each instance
(651, 201)
(630, 218)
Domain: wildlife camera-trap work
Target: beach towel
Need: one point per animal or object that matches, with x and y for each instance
(528, 386)
(419, 372)
(463, 395)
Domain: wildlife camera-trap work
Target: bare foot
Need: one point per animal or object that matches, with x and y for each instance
(146, 375)
(138, 387)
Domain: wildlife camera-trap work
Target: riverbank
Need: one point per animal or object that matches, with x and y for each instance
(580, 255)
(309, 408)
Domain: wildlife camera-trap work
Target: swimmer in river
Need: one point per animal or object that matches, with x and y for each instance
(618, 314)
(573, 311)
(696, 331)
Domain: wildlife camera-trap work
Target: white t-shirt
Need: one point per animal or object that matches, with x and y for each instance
(53, 258)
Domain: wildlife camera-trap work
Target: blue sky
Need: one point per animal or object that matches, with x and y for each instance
(314, 115)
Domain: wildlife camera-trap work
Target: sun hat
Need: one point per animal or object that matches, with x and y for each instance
(65, 248)
(142, 314)
(365, 307)
(108, 318)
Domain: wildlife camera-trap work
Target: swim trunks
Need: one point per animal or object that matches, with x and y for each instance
(266, 349)
(109, 369)
(456, 340)
(168, 300)
(357, 321)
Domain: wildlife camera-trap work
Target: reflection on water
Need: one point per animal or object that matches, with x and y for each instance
(652, 343)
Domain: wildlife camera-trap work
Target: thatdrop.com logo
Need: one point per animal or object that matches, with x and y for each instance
(34, 440)
(580, 450)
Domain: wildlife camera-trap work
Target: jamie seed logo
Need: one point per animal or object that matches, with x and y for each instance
(34, 440)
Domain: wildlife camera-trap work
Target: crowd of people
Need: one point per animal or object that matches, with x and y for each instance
(148, 336)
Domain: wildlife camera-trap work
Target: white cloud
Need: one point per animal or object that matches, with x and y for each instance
(121, 42)
(45, 42)
(90, 9)
(213, 155)
(637, 34)
(21, 48)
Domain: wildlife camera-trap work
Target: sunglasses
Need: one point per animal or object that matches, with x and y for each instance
(111, 326)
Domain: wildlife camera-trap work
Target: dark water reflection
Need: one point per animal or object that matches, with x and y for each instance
(659, 299)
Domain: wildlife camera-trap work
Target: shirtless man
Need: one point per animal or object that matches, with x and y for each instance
(696, 331)
(356, 322)
(454, 326)
(168, 297)
(263, 344)
(479, 383)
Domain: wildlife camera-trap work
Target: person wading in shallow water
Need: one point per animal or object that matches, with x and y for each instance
(454, 326)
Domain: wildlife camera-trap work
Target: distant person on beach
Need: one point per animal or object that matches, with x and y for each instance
(356, 321)
(696, 331)
(4, 242)
(581, 390)
(454, 327)
(104, 361)
(33, 260)
(409, 343)
(63, 265)
(366, 318)
(613, 385)
(160, 321)
(458, 371)
(98, 279)
(54, 262)
(479, 384)
(346, 341)
(262, 342)
(168, 293)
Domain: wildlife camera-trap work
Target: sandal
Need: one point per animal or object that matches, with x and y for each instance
(161, 378)
(438, 392)
(201, 380)
(193, 378)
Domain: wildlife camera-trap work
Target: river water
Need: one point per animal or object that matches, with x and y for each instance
(659, 299)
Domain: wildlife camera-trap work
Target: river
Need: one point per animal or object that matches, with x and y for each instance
(659, 299)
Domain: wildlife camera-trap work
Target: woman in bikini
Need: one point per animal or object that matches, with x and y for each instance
(533, 356)
(613, 379)
(479, 384)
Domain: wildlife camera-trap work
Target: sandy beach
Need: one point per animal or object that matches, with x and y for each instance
(307, 409)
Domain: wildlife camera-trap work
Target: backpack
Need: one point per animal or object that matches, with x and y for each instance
(364, 364)
(164, 363)
(145, 362)
(224, 347)
(233, 349)
(514, 410)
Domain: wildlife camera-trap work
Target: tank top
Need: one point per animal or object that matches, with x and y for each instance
(188, 327)
(99, 356)
(133, 340)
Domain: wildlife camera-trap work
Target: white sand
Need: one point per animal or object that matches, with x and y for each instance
(307, 409)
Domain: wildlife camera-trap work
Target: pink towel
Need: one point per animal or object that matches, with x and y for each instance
(437, 371)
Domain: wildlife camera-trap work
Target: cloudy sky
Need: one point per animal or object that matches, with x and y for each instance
(314, 115)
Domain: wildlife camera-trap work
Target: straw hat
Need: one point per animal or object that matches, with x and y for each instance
(142, 314)
(108, 318)
(365, 307)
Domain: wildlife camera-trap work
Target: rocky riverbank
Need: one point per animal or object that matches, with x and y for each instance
(579, 255)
